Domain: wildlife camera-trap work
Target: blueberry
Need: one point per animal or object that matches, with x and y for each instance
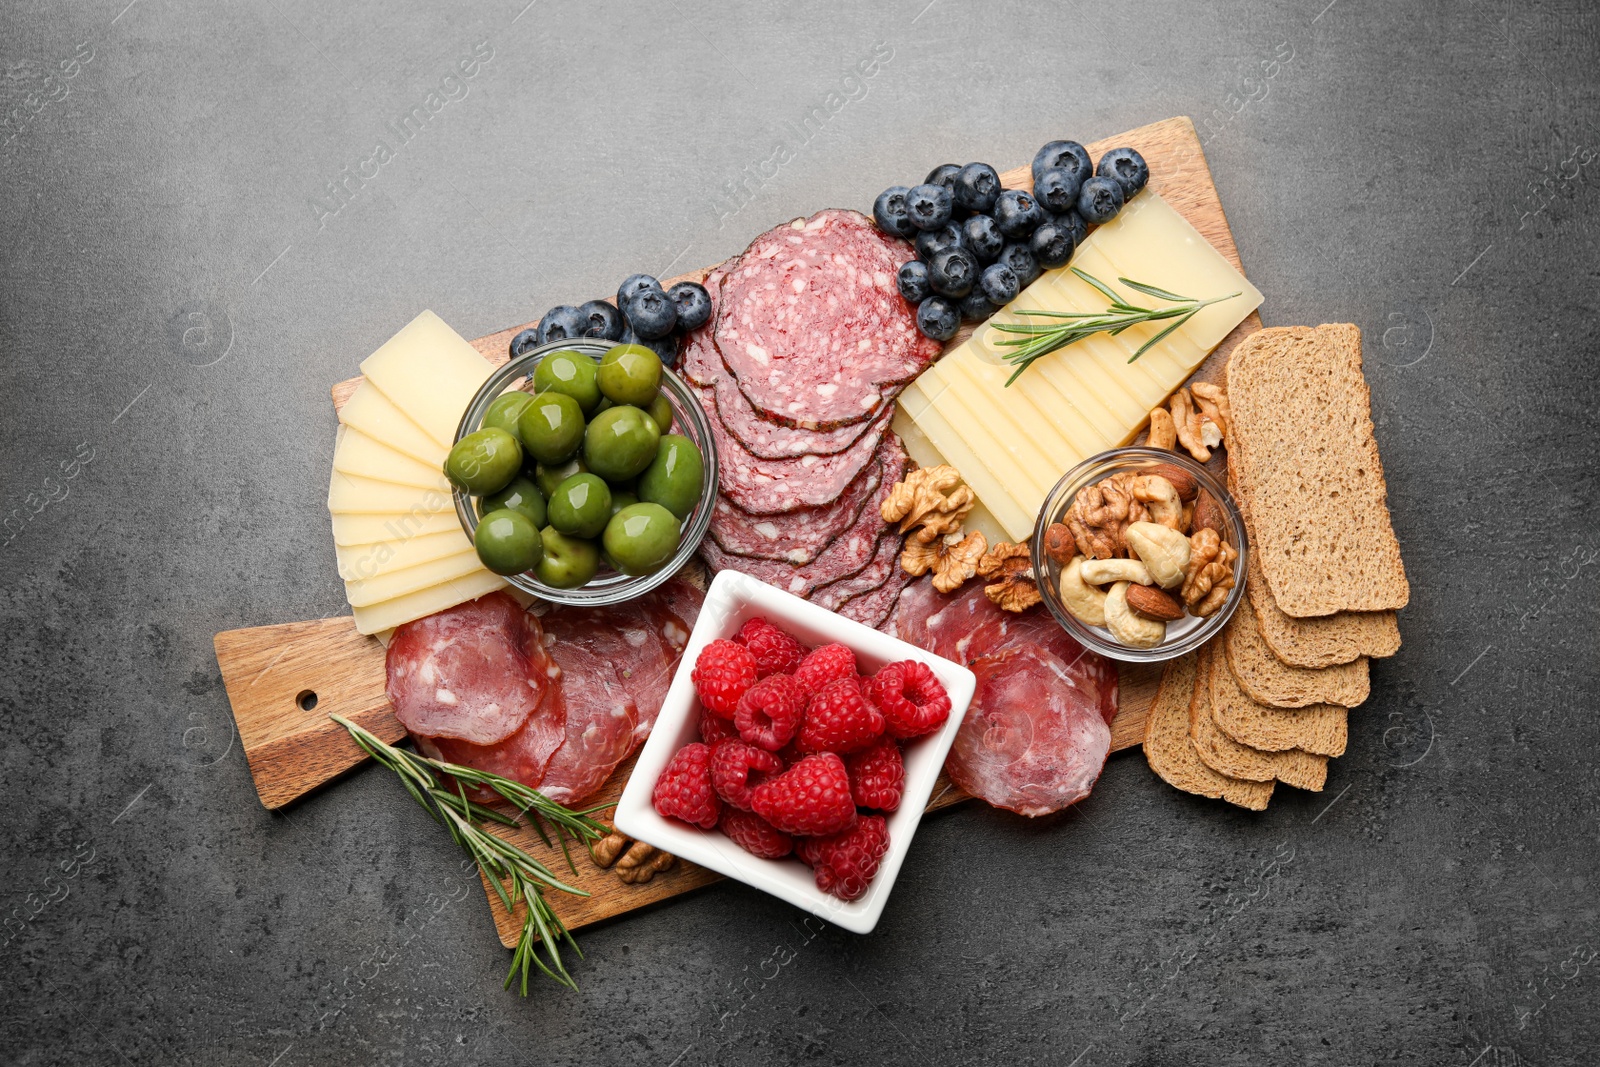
(650, 313)
(999, 283)
(693, 302)
(929, 206)
(525, 340)
(1068, 155)
(975, 307)
(1057, 189)
(559, 323)
(665, 347)
(889, 212)
(601, 320)
(982, 238)
(634, 283)
(944, 174)
(1052, 244)
(938, 318)
(1017, 214)
(1127, 168)
(953, 272)
(1099, 200)
(912, 281)
(1072, 221)
(1017, 256)
(933, 242)
(976, 187)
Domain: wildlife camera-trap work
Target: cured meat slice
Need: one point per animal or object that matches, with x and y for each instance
(474, 672)
(766, 439)
(883, 566)
(522, 757)
(800, 536)
(775, 486)
(641, 640)
(683, 598)
(846, 556)
(600, 723)
(699, 361)
(1033, 741)
(875, 606)
(811, 325)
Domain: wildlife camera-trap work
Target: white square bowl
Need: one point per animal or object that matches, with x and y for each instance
(732, 599)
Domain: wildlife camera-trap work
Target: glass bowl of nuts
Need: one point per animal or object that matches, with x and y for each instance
(1140, 554)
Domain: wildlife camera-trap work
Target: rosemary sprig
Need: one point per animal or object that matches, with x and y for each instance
(513, 873)
(1040, 339)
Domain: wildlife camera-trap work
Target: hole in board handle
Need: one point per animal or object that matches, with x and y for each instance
(306, 700)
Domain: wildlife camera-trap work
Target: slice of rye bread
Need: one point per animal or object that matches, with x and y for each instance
(1309, 471)
(1173, 758)
(1269, 680)
(1322, 641)
(1226, 756)
(1321, 729)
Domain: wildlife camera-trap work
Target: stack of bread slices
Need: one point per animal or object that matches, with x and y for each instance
(1267, 701)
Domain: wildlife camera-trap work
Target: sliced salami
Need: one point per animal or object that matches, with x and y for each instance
(522, 757)
(1033, 741)
(766, 439)
(474, 672)
(800, 536)
(883, 566)
(874, 607)
(600, 723)
(811, 325)
(642, 641)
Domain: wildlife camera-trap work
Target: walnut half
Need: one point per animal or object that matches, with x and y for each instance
(952, 559)
(932, 498)
(1012, 585)
(635, 862)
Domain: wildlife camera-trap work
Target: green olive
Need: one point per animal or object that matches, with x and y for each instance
(549, 476)
(572, 373)
(521, 495)
(551, 427)
(508, 543)
(620, 442)
(483, 462)
(504, 411)
(661, 410)
(581, 506)
(641, 537)
(621, 498)
(675, 477)
(568, 561)
(630, 374)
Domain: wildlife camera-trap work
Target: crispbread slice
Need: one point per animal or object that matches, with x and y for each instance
(1321, 641)
(1173, 758)
(1226, 756)
(1321, 729)
(1268, 680)
(1308, 469)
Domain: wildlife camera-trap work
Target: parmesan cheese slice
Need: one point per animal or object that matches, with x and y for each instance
(391, 613)
(430, 372)
(356, 453)
(367, 592)
(372, 413)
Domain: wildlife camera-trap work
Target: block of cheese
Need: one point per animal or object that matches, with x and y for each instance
(1011, 444)
(374, 415)
(430, 372)
(371, 529)
(391, 613)
(351, 495)
(356, 453)
(397, 553)
(367, 592)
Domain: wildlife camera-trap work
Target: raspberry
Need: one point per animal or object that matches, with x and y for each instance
(839, 719)
(755, 835)
(721, 674)
(827, 664)
(912, 699)
(737, 768)
(684, 789)
(811, 798)
(877, 775)
(775, 651)
(769, 713)
(845, 863)
(714, 729)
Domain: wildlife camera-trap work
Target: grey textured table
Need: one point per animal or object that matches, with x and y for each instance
(197, 238)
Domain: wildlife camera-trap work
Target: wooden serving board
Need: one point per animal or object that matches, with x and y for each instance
(283, 681)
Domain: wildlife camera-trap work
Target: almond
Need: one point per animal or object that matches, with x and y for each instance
(1181, 479)
(1208, 514)
(1152, 603)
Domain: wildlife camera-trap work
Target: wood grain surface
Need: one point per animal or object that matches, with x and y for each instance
(293, 750)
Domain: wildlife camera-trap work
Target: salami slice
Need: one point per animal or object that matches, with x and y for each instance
(474, 672)
(600, 724)
(522, 757)
(883, 566)
(683, 599)
(642, 641)
(800, 536)
(766, 439)
(811, 325)
(874, 607)
(1032, 741)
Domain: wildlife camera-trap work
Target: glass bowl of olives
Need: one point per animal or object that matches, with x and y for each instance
(584, 472)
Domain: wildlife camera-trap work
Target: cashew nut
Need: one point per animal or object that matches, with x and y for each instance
(1106, 571)
(1128, 628)
(1164, 550)
(1161, 497)
(1086, 603)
